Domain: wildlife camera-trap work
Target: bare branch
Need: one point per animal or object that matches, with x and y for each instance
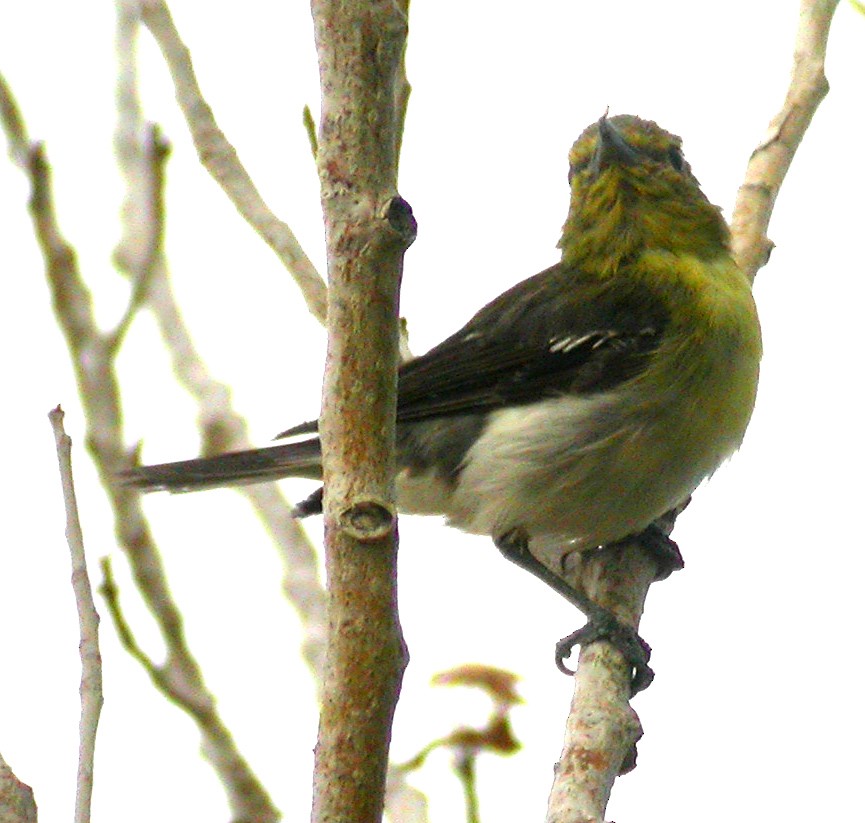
(92, 355)
(88, 623)
(772, 158)
(220, 159)
(602, 729)
(139, 253)
(368, 227)
(141, 155)
(248, 800)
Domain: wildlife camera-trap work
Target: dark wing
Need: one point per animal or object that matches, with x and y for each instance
(552, 334)
(555, 333)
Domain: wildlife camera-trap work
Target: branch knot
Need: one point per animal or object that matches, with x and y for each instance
(367, 520)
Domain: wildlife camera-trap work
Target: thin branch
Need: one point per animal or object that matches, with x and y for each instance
(141, 153)
(140, 255)
(248, 801)
(219, 157)
(111, 594)
(92, 355)
(368, 227)
(771, 159)
(88, 624)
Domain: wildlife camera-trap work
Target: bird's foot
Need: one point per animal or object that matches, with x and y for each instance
(603, 625)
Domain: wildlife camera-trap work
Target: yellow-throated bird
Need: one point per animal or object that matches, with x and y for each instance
(583, 403)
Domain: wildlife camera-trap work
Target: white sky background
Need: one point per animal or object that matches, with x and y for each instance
(755, 712)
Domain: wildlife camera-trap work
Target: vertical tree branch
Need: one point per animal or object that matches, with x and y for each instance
(368, 227)
(88, 623)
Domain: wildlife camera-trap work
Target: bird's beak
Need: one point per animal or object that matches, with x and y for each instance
(612, 148)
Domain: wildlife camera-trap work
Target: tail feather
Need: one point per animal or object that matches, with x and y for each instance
(301, 459)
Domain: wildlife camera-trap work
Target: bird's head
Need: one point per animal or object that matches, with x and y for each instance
(632, 190)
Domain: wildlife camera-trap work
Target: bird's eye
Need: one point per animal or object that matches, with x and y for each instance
(674, 154)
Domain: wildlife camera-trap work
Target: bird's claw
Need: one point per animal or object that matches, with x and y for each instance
(633, 648)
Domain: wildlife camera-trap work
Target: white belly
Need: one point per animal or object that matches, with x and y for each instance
(575, 469)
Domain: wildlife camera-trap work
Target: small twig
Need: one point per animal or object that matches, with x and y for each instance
(164, 677)
(149, 216)
(88, 624)
(772, 158)
(219, 157)
(141, 153)
(248, 800)
(111, 594)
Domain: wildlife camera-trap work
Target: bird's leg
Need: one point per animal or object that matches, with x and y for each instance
(602, 624)
(655, 539)
(661, 547)
(656, 542)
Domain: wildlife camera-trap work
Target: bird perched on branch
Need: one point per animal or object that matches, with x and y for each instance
(583, 403)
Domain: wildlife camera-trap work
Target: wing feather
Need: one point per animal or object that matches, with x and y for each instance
(530, 344)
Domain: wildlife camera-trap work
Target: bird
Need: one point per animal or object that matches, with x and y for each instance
(584, 403)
